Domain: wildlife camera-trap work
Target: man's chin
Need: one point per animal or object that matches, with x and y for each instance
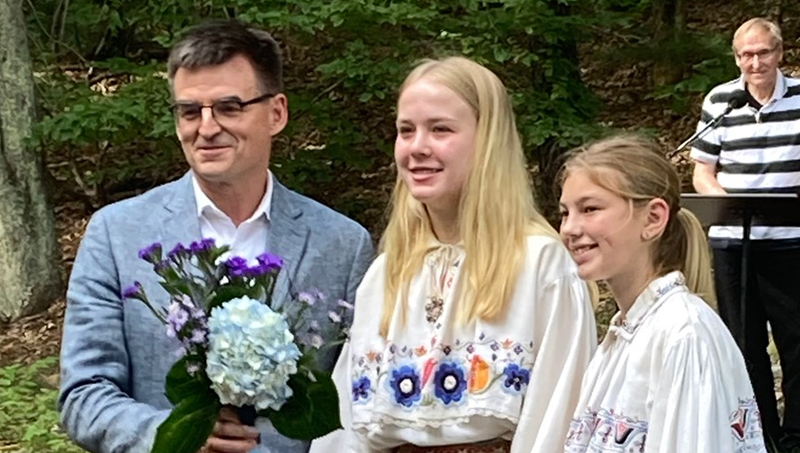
(210, 173)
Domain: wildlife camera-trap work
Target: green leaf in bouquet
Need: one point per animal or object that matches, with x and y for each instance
(226, 293)
(311, 412)
(177, 288)
(181, 385)
(188, 425)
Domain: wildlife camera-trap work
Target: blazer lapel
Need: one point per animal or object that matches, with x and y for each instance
(288, 239)
(181, 223)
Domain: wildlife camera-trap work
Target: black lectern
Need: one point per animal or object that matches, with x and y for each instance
(746, 210)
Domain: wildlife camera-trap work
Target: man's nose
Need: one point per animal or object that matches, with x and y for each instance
(208, 124)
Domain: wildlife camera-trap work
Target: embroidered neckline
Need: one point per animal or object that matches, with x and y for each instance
(655, 292)
(441, 263)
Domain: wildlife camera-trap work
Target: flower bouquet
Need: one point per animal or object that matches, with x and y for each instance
(239, 346)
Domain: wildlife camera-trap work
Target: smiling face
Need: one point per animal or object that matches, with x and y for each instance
(602, 231)
(435, 143)
(758, 58)
(228, 150)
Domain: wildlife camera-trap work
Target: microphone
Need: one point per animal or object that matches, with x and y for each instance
(737, 100)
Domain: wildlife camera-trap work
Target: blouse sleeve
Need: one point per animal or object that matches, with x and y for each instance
(568, 341)
(343, 440)
(698, 406)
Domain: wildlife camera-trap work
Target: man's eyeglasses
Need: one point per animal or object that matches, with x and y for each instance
(221, 109)
(762, 54)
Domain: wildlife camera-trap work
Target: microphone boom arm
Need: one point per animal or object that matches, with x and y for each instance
(699, 134)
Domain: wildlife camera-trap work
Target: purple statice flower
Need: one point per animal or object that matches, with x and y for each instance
(134, 291)
(237, 267)
(162, 267)
(151, 253)
(178, 252)
(270, 261)
(258, 270)
(200, 247)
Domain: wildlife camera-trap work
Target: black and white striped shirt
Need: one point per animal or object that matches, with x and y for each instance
(757, 151)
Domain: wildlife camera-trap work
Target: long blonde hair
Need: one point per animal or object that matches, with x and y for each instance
(636, 170)
(496, 208)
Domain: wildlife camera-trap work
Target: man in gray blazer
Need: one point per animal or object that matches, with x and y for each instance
(226, 82)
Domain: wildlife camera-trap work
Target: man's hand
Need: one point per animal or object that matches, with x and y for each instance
(230, 436)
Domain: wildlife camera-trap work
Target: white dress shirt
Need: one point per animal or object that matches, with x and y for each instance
(249, 239)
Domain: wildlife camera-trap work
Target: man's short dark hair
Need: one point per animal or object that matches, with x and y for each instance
(215, 42)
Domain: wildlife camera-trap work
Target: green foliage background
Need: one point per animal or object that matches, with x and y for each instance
(105, 102)
(107, 132)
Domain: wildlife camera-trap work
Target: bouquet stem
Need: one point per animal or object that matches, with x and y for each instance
(247, 415)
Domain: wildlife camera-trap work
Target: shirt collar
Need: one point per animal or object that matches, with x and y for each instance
(780, 86)
(645, 304)
(205, 206)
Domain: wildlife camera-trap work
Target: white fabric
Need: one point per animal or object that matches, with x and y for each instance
(668, 379)
(249, 239)
(546, 336)
(746, 136)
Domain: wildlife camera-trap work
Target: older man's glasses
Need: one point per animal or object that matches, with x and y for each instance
(762, 54)
(221, 109)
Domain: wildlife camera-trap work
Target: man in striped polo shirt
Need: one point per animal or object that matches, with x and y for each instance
(756, 149)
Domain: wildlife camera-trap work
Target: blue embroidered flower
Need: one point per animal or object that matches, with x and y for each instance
(361, 388)
(406, 386)
(449, 382)
(517, 378)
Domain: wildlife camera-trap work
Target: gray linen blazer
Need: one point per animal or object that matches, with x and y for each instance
(115, 354)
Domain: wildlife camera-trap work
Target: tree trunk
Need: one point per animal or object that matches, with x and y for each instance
(29, 273)
(668, 22)
(549, 155)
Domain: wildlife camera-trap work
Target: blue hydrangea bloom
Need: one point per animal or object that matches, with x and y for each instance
(251, 354)
(406, 385)
(361, 387)
(449, 382)
(516, 378)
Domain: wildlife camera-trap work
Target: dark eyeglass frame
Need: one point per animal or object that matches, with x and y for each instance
(761, 54)
(214, 106)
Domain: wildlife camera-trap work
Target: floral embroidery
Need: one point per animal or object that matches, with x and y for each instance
(746, 426)
(361, 388)
(439, 375)
(405, 383)
(516, 377)
(449, 383)
(478, 374)
(605, 431)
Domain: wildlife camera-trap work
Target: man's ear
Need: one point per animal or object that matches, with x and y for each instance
(279, 113)
(657, 216)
